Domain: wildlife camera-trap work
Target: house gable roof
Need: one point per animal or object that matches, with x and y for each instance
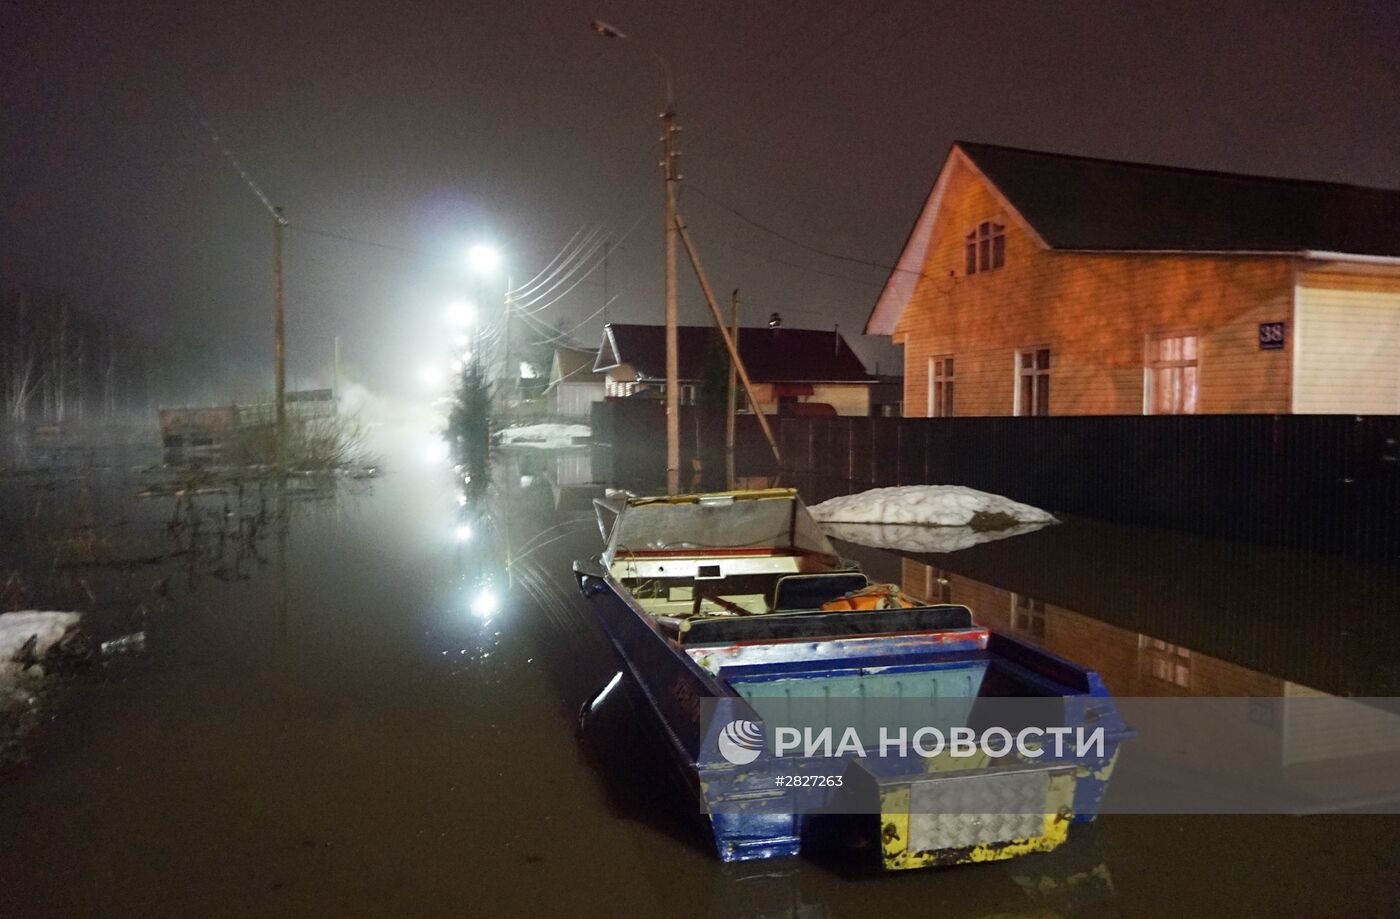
(1076, 202)
(782, 355)
(1080, 203)
(575, 365)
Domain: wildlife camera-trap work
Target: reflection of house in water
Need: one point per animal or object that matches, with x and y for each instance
(1307, 619)
(1131, 663)
(1307, 749)
(568, 472)
(571, 476)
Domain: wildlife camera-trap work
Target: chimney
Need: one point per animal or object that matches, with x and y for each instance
(775, 321)
(836, 339)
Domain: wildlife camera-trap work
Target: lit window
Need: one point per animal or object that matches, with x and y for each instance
(940, 387)
(1033, 381)
(984, 249)
(1170, 379)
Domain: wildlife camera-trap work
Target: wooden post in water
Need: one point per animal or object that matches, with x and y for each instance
(279, 334)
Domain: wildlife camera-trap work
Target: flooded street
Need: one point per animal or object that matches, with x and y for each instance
(374, 713)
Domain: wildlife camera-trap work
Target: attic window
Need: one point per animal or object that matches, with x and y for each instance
(985, 247)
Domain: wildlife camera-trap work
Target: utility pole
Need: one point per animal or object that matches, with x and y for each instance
(729, 419)
(335, 372)
(508, 370)
(729, 344)
(669, 129)
(279, 333)
(673, 389)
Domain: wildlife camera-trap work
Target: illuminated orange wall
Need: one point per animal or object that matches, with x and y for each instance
(1094, 311)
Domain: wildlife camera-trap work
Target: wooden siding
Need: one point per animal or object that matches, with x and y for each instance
(1095, 312)
(847, 399)
(575, 400)
(1347, 333)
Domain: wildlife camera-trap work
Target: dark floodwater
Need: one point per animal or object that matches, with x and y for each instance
(379, 720)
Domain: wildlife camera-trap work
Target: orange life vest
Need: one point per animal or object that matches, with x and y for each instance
(876, 596)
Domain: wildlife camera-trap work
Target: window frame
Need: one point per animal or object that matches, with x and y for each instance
(984, 248)
(1037, 375)
(942, 388)
(1028, 616)
(1151, 363)
(1165, 662)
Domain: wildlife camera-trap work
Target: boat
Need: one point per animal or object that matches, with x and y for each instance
(742, 630)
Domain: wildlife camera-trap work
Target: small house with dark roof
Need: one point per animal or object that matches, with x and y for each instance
(573, 383)
(794, 371)
(1038, 283)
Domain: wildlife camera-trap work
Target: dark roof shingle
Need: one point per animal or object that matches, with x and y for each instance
(1076, 202)
(781, 355)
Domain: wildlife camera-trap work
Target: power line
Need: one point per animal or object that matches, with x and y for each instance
(788, 239)
(565, 261)
(552, 261)
(301, 228)
(233, 160)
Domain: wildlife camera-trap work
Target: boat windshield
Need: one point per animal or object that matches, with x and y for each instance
(723, 521)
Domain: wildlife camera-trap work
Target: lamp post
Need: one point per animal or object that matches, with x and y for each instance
(484, 260)
(672, 178)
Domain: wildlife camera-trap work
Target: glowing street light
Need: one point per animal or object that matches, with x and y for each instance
(484, 603)
(430, 375)
(460, 314)
(484, 260)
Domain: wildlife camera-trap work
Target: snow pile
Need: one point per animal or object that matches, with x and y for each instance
(544, 435)
(18, 630)
(903, 537)
(930, 505)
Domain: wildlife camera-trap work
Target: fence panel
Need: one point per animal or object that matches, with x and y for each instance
(1328, 483)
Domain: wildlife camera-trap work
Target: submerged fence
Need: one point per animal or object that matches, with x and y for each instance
(1327, 483)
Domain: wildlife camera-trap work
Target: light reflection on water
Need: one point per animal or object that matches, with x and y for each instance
(383, 722)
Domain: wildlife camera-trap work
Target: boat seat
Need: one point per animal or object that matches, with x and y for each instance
(809, 591)
(824, 626)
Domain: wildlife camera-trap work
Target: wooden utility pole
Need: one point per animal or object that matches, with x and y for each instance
(673, 389)
(279, 334)
(729, 419)
(729, 342)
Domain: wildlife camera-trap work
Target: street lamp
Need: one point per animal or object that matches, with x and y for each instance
(484, 260)
(460, 314)
(672, 178)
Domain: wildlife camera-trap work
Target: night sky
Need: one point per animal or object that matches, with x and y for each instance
(427, 127)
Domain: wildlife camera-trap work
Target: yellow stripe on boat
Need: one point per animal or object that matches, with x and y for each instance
(898, 830)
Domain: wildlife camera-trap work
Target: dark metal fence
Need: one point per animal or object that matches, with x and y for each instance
(1328, 483)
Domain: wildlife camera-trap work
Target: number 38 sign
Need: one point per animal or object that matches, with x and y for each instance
(1271, 335)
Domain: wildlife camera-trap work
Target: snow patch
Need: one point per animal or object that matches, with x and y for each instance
(930, 505)
(16, 631)
(544, 435)
(929, 539)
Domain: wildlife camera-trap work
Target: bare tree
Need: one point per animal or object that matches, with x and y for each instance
(21, 377)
